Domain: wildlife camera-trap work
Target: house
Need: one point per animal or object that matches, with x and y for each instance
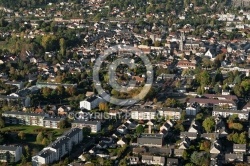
(122, 142)
(172, 162)
(232, 157)
(10, 154)
(139, 150)
(170, 113)
(143, 114)
(150, 140)
(178, 152)
(185, 64)
(59, 148)
(239, 148)
(90, 103)
(63, 110)
(185, 143)
(94, 125)
(215, 147)
(191, 136)
(133, 160)
(153, 160)
(19, 85)
(210, 54)
(51, 122)
(210, 136)
(24, 118)
(194, 127)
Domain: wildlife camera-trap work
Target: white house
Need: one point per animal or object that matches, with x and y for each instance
(10, 154)
(90, 103)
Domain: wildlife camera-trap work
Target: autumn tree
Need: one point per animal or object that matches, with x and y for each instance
(39, 137)
(62, 44)
(49, 42)
(21, 135)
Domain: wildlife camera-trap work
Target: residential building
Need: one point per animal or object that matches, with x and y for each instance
(150, 140)
(239, 148)
(143, 114)
(59, 148)
(170, 113)
(53, 85)
(153, 160)
(226, 112)
(10, 154)
(90, 103)
(24, 118)
(51, 122)
(94, 125)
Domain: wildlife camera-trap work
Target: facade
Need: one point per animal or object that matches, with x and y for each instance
(10, 154)
(225, 113)
(143, 114)
(170, 113)
(59, 148)
(53, 85)
(94, 125)
(153, 160)
(51, 122)
(23, 118)
(90, 103)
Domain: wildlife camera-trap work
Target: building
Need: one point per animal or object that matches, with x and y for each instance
(170, 113)
(239, 148)
(24, 118)
(90, 103)
(59, 148)
(10, 154)
(53, 85)
(94, 125)
(51, 122)
(153, 160)
(143, 114)
(226, 112)
(150, 140)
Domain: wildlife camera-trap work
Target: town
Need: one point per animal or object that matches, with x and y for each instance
(195, 107)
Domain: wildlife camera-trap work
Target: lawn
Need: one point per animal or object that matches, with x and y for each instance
(30, 133)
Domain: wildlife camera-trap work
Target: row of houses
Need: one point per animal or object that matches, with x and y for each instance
(59, 148)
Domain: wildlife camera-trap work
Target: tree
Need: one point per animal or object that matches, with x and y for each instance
(21, 135)
(208, 124)
(185, 155)
(49, 42)
(39, 137)
(86, 131)
(110, 127)
(139, 129)
(62, 44)
(2, 124)
(63, 124)
(45, 141)
(199, 116)
(200, 158)
(205, 145)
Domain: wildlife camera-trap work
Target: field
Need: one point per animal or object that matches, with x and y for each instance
(30, 134)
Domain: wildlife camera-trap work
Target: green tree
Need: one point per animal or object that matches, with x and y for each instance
(139, 129)
(86, 131)
(110, 127)
(64, 124)
(208, 124)
(200, 158)
(49, 42)
(185, 155)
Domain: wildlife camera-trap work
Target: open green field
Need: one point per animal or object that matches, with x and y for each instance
(30, 134)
